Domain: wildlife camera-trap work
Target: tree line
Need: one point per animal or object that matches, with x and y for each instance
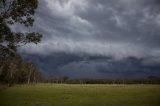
(16, 71)
(67, 80)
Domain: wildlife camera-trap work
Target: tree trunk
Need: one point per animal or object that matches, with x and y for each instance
(29, 77)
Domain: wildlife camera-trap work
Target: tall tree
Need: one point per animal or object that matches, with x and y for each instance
(13, 12)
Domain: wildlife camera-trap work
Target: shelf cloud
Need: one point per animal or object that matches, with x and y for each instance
(112, 28)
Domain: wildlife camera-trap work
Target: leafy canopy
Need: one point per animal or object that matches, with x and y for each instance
(16, 12)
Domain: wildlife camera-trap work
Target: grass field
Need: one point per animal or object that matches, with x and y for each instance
(80, 95)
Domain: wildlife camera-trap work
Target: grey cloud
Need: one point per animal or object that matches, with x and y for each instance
(89, 47)
(112, 28)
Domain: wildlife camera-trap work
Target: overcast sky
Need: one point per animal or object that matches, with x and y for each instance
(114, 29)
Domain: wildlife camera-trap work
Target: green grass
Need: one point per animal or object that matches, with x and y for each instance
(80, 95)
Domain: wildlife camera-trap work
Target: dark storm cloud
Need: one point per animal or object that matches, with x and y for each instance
(74, 66)
(118, 29)
(114, 24)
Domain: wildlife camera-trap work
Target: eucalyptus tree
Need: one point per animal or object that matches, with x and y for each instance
(15, 12)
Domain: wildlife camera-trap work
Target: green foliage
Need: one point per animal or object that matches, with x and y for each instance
(33, 37)
(17, 11)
